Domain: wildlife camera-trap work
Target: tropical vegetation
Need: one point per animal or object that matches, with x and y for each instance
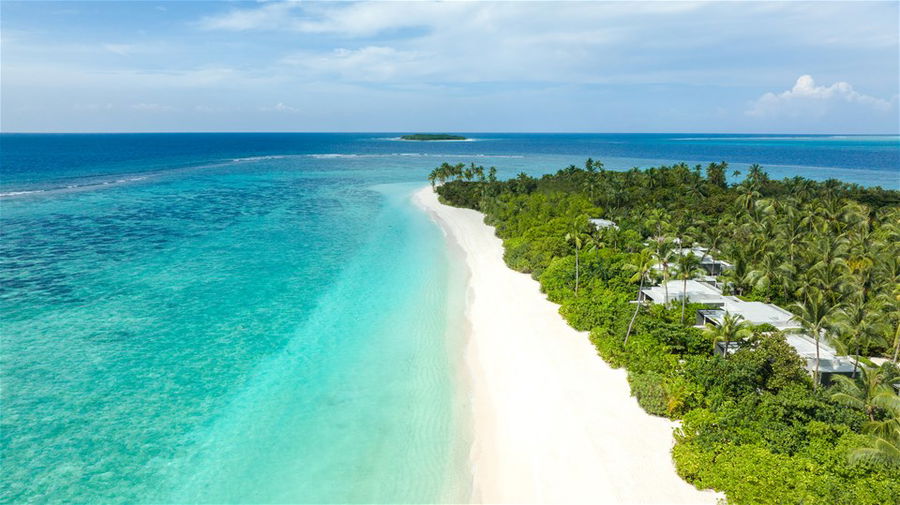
(432, 136)
(754, 423)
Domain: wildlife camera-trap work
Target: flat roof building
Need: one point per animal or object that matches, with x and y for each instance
(697, 292)
(603, 223)
(755, 313)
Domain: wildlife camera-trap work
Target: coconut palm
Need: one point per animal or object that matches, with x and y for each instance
(885, 444)
(769, 270)
(579, 239)
(857, 322)
(688, 267)
(590, 184)
(869, 393)
(663, 254)
(814, 315)
(732, 329)
(641, 266)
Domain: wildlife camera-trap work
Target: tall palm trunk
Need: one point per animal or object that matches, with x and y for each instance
(666, 283)
(816, 376)
(683, 297)
(576, 271)
(896, 345)
(637, 307)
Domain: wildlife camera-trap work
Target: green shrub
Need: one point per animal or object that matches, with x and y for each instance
(650, 393)
(609, 347)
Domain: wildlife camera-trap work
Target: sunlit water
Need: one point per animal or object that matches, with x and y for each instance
(265, 318)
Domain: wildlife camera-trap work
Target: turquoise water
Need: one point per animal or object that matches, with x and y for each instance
(265, 318)
(245, 333)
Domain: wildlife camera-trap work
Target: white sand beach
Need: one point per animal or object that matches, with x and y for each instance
(553, 423)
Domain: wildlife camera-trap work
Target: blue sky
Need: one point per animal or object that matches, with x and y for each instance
(797, 67)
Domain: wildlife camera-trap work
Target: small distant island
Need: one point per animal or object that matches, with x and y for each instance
(432, 136)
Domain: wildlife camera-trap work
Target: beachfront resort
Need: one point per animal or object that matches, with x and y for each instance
(762, 315)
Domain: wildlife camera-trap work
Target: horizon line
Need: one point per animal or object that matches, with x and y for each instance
(156, 132)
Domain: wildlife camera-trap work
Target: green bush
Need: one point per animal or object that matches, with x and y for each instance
(650, 393)
(609, 347)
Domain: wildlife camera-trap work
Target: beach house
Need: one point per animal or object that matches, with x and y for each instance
(707, 262)
(603, 223)
(756, 313)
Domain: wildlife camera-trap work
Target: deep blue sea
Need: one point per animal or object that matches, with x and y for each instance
(266, 318)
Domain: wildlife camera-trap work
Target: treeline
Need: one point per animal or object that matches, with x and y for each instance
(754, 423)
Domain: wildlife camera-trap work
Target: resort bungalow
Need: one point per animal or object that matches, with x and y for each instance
(764, 313)
(830, 363)
(755, 313)
(707, 262)
(752, 312)
(603, 223)
(695, 291)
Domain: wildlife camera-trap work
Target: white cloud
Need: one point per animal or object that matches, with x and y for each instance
(270, 16)
(120, 49)
(370, 63)
(586, 64)
(280, 107)
(808, 99)
(92, 107)
(152, 107)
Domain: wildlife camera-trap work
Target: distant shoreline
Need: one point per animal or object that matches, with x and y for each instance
(432, 137)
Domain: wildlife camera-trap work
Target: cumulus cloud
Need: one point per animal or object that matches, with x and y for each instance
(807, 98)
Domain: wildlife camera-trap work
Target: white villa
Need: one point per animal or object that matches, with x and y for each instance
(603, 223)
(755, 313)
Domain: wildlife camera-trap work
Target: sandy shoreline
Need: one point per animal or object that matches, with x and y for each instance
(553, 423)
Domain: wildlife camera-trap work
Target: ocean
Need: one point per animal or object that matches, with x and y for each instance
(266, 318)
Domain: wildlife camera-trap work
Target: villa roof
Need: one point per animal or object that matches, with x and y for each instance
(829, 361)
(698, 292)
(754, 313)
(702, 253)
(603, 223)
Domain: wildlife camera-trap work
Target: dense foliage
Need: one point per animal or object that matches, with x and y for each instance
(432, 136)
(754, 424)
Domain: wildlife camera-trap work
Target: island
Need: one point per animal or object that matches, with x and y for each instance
(432, 136)
(756, 318)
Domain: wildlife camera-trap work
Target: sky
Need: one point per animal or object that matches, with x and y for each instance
(741, 67)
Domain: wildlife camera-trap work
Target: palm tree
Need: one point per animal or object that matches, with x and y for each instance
(885, 440)
(663, 255)
(868, 393)
(769, 270)
(756, 174)
(814, 315)
(892, 334)
(732, 329)
(688, 267)
(591, 183)
(577, 237)
(857, 321)
(642, 265)
(748, 195)
(737, 277)
(884, 435)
